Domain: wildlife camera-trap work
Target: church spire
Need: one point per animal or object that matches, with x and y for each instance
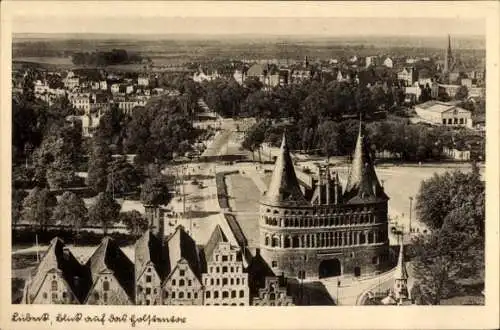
(284, 188)
(448, 61)
(362, 182)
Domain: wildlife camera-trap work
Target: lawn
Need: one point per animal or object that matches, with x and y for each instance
(244, 201)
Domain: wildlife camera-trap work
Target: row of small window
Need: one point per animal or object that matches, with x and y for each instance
(321, 222)
(55, 296)
(321, 211)
(225, 269)
(180, 295)
(225, 294)
(233, 304)
(224, 257)
(455, 121)
(225, 281)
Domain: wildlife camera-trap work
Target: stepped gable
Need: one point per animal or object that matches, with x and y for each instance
(284, 189)
(109, 257)
(362, 184)
(150, 248)
(182, 246)
(60, 258)
(214, 240)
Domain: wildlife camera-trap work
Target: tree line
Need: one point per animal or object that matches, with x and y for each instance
(306, 103)
(115, 56)
(396, 136)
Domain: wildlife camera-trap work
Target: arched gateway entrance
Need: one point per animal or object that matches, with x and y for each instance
(330, 268)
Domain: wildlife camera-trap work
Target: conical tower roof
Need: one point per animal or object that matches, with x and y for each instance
(284, 189)
(401, 273)
(362, 183)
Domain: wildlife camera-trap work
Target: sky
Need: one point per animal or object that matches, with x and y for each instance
(280, 26)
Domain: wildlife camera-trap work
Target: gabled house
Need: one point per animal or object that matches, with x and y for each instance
(224, 280)
(151, 268)
(112, 275)
(183, 284)
(59, 278)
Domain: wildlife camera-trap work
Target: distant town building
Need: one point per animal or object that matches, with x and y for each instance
(457, 154)
(388, 62)
(115, 88)
(205, 75)
(444, 113)
(59, 278)
(183, 285)
(450, 90)
(71, 81)
(408, 76)
(112, 275)
(143, 81)
(225, 281)
(371, 61)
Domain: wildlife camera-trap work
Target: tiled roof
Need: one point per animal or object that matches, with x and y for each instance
(181, 246)
(109, 256)
(150, 248)
(217, 237)
(284, 188)
(63, 260)
(362, 184)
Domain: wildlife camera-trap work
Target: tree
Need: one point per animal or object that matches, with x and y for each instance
(18, 195)
(462, 93)
(441, 194)
(135, 222)
(441, 260)
(60, 173)
(328, 132)
(38, 207)
(71, 211)
(105, 211)
(122, 177)
(155, 191)
(99, 160)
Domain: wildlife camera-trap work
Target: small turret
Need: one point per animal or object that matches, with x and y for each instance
(401, 278)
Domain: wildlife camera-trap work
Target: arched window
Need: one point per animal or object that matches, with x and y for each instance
(181, 295)
(105, 286)
(275, 241)
(242, 293)
(54, 285)
(181, 282)
(295, 242)
(362, 238)
(266, 240)
(287, 241)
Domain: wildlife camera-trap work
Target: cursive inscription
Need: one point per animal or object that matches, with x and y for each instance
(96, 319)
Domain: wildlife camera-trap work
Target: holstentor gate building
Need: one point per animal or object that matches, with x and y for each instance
(325, 230)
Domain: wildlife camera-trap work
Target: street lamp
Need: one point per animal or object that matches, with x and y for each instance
(409, 227)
